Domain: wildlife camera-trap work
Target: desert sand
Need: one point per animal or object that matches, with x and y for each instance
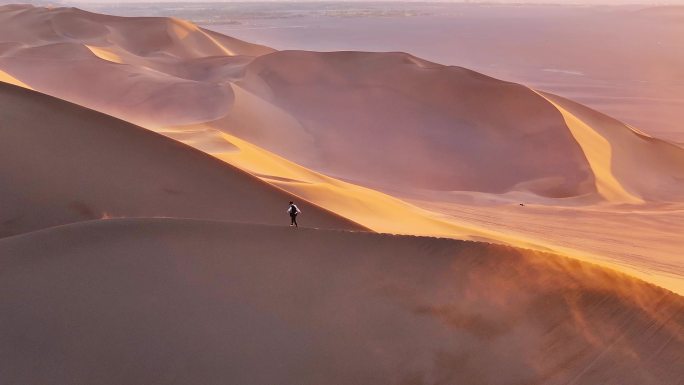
(146, 165)
(393, 142)
(62, 163)
(623, 59)
(186, 301)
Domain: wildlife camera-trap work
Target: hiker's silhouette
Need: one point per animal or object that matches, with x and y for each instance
(293, 210)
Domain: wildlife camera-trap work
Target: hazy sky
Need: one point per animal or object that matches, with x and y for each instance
(648, 2)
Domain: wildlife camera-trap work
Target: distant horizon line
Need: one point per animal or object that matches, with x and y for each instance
(474, 2)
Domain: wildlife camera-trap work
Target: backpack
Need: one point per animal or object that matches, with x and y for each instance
(292, 210)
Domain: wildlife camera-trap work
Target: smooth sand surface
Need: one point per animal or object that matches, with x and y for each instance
(390, 141)
(440, 128)
(62, 163)
(184, 301)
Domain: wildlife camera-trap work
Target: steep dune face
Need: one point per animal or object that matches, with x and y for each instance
(61, 163)
(179, 301)
(629, 166)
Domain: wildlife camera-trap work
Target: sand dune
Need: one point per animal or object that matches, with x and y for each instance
(6, 78)
(442, 128)
(393, 142)
(622, 60)
(143, 36)
(139, 92)
(460, 130)
(93, 49)
(373, 209)
(628, 165)
(197, 278)
(61, 163)
(591, 233)
(181, 301)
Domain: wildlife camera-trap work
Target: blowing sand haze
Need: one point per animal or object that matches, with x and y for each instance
(455, 228)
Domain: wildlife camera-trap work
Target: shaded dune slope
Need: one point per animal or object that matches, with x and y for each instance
(441, 128)
(62, 163)
(185, 301)
(448, 128)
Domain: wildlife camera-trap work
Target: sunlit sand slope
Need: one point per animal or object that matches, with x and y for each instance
(642, 241)
(373, 209)
(628, 165)
(181, 301)
(6, 78)
(62, 163)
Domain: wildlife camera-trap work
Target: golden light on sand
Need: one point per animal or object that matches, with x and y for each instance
(451, 222)
(7, 78)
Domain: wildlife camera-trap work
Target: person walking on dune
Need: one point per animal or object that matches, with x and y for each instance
(293, 210)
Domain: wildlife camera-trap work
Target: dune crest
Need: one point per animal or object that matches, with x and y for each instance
(373, 209)
(634, 167)
(653, 256)
(62, 163)
(598, 151)
(7, 78)
(106, 54)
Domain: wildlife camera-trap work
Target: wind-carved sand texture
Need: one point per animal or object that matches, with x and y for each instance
(185, 301)
(134, 257)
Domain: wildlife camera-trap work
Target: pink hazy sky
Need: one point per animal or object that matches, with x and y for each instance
(597, 2)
